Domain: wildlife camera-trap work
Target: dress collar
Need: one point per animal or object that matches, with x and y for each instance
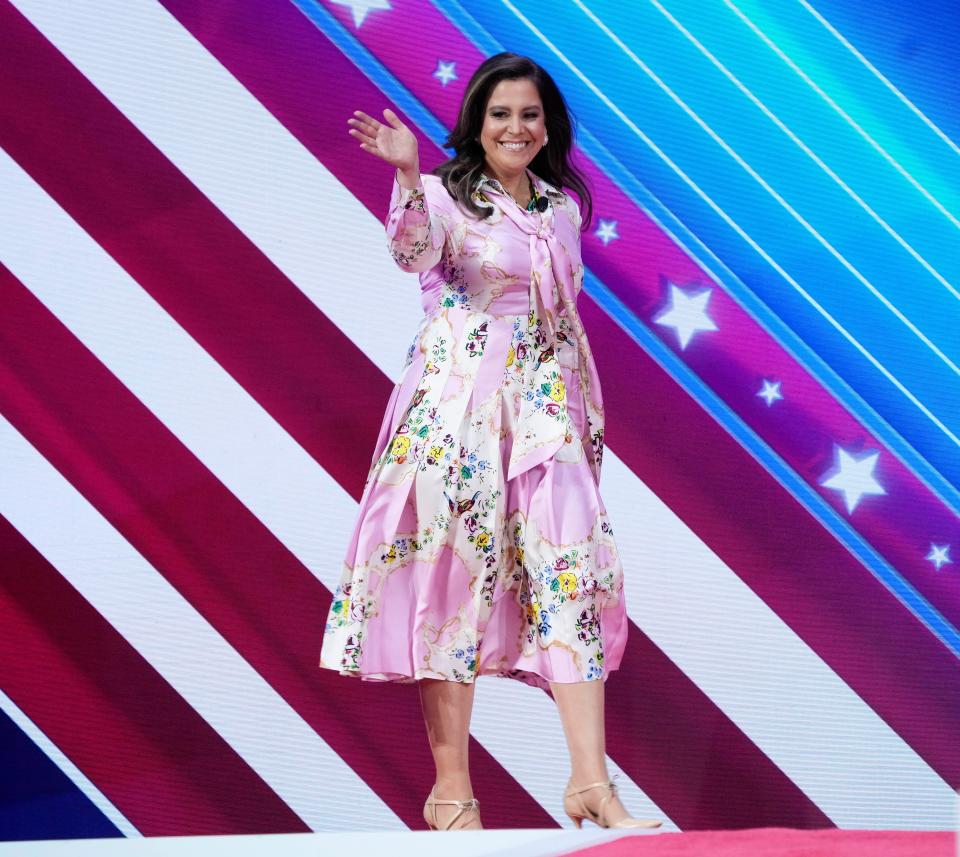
(544, 188)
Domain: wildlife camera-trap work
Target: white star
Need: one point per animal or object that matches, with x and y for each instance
(445, 71)
(939, 555)
(770, 391)
(361, 7)
(853, 477)
(687, 314)
(607, 231)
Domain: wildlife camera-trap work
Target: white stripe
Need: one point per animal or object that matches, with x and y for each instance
(730, 606)
(212, 415)
(70, 770)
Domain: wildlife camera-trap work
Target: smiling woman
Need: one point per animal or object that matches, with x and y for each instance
(482, 545)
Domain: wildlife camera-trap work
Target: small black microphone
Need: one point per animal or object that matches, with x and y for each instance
(542, 204)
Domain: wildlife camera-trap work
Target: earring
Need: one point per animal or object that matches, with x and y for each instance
(546, 139)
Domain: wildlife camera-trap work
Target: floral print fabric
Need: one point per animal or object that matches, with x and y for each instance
(482, 545)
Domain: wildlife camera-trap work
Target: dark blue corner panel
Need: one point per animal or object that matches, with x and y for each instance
(37, 800)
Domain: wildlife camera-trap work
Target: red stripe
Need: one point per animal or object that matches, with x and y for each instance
(85, 687)
(139, 179)
(196, 263)
(798, 568)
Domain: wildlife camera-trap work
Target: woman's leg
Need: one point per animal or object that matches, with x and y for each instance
(446, 711)
(581, 711)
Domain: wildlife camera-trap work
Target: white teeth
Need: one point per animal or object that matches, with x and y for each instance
(516, 147)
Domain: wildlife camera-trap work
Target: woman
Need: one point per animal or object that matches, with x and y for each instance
(482, 545)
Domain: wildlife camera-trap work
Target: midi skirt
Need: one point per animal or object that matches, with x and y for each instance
(454, 571)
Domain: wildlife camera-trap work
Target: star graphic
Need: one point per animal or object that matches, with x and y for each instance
(446, 71)
(687, 314)
(853, 477)
(770, 392)
(607, 231)
(361, 7)
(939, 555)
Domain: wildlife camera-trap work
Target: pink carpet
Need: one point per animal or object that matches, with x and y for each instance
(780, 842)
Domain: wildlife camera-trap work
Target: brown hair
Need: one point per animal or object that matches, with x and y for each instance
(552, 163)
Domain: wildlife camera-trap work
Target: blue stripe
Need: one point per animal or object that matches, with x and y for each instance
(761, 313)
(921, 371)
(731, 421)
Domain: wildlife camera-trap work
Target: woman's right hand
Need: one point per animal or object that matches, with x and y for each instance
(394, 143)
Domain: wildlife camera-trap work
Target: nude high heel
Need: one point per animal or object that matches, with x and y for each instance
(465, 806)
(577, 810)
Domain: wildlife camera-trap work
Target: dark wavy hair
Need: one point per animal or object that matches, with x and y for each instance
(552, 163)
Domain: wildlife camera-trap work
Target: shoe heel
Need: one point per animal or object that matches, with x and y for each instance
(577, 820)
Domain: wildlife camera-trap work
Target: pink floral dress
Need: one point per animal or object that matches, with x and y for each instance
(482, 546)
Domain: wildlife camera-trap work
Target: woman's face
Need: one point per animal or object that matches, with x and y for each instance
(513, 127)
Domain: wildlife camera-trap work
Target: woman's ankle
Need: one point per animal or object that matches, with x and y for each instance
(580, 778)
(454, 787)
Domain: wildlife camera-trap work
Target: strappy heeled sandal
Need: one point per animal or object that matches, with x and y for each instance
(577, 810)
(464, 807)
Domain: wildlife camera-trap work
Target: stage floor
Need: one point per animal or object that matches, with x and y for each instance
(469, 843)
(764, 842)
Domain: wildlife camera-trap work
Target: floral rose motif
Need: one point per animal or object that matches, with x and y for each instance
(568, 582)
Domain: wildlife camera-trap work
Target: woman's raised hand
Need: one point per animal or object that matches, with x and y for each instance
(394, 143)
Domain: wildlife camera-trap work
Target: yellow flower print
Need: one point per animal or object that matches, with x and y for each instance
(345, 607)
(511, 355)
(567, 581)
(558, 391)
(520, 555)
(436, 451)
(401, 446)
(482, 540)
(391, 554)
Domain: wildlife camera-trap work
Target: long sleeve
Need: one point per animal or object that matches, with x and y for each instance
(415, 232)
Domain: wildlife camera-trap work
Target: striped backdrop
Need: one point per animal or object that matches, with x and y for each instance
(200, 327)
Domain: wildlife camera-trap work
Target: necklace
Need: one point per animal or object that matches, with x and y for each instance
(532, 204)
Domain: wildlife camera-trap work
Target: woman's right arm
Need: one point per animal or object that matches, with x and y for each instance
(415, 234)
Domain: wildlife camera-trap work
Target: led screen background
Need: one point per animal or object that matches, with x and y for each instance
(202, 326)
